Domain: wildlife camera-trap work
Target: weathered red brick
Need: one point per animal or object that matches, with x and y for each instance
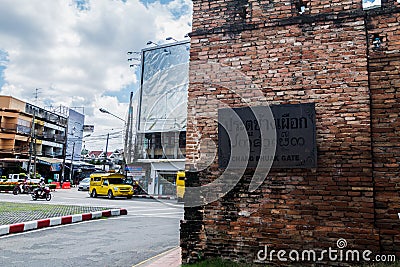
(325, 56)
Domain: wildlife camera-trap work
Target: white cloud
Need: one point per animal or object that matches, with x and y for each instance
(369, 4)
(78, 57)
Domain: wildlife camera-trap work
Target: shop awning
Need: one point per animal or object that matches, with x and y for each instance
(55, 164)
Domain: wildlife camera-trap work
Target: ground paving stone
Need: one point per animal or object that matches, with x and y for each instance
(11, 213)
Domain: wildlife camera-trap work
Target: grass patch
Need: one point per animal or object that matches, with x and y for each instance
(11, 213)
(17, 207)
(386, 264)
(218, 263)
(226, 263)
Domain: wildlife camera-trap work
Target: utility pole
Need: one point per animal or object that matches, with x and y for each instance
(72, 163)
(129, 126)
(105, 155)
(64, 154)
(37, 92)
(32, 135)
(128, 135)
(34, 154)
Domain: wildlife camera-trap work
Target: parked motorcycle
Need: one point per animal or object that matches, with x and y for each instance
(39, 193)
(22, 188)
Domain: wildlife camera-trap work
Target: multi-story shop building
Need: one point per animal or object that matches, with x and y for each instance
(18, 142)
(50, 129)
(15, 127)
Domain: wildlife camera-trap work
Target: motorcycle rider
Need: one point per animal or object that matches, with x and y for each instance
(41, 187)
(24, 186)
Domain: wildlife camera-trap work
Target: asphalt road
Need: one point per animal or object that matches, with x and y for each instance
(151, 227)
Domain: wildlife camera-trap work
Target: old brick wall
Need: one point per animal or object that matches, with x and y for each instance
(266, 52)
(384, 66)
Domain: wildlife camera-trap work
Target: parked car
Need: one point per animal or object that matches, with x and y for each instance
(137, 189)
(84, 184)
(21, 177)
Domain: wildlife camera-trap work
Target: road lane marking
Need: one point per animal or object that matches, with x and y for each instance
(141, 210)
(162, 217)
(153, 214)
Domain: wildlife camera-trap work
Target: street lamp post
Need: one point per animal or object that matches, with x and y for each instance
(108, 112)
(105, 155)
(151, 42)
(126, 137)
(171, 38)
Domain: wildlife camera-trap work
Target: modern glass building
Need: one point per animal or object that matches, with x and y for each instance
(161, 117)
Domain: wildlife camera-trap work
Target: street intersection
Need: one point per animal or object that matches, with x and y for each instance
(150, 228)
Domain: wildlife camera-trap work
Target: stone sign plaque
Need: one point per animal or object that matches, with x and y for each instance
(248, 137)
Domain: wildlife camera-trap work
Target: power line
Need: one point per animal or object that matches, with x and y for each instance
(105, 135)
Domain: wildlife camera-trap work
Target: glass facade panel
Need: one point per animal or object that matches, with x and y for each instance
(162, 112)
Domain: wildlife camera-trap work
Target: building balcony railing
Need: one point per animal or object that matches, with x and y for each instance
(46, 115)
(163, 153)
(15, 128)
(21, 149)
(8, 127)
(51, 154)
(24, 130)
(58, 138)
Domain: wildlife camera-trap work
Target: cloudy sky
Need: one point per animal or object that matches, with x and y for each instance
(75, 53)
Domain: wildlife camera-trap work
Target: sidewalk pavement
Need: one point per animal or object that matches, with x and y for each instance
(170, 258)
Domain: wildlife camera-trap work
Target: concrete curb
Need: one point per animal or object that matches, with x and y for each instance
(38, 224)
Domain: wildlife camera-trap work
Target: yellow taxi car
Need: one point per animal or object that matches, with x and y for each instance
(110, 185)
